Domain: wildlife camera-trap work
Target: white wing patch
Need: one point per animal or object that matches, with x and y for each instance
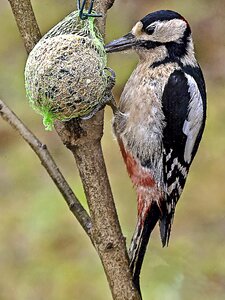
(194, 120)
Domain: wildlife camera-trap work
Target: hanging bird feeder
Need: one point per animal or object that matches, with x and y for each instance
(65, 75)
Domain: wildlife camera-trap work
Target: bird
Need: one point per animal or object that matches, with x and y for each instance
(159, 122)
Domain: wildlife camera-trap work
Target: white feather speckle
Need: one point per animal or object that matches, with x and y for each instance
(193, 123)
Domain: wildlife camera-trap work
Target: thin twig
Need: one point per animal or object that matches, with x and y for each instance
(49, 164)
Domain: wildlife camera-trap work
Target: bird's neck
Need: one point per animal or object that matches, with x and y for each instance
(151, 56)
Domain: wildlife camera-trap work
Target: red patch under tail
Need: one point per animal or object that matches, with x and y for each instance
(138, 174)
(149, 212)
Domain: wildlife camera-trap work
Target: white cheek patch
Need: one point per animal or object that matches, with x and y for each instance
(194, 120)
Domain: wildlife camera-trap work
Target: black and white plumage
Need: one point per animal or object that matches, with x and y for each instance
(160, 122)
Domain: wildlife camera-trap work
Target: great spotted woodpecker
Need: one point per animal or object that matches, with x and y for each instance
(160, 121)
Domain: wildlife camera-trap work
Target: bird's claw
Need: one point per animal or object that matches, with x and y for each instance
(93, 112)
(109, 99)
(111, 78)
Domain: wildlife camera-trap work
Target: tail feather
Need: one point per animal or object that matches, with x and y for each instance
(165, 225)
(140, 240)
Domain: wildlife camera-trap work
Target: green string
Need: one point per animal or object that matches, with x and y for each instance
(96, 40)
(48, 120)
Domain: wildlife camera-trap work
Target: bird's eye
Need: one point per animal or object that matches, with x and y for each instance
(150, 30)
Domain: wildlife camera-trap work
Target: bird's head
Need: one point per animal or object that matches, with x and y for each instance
(162, 29)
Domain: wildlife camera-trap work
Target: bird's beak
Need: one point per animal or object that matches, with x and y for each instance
(124, 43)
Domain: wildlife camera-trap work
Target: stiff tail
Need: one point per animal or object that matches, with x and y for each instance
(166, 221)
(140, 239)
(165, 225)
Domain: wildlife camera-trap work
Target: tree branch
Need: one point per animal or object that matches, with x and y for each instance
(83, 139)
(50, 166)
(26, 22)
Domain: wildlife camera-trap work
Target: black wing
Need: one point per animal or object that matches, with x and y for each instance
(184, 107)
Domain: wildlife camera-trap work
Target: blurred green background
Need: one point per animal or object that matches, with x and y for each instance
(44, 253)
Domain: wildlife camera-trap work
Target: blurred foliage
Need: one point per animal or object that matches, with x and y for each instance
(44, 253)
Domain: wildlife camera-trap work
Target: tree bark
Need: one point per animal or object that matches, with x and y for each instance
(26, 22)
(83, 139)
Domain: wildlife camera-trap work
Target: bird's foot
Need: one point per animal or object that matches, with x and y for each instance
(111, 78)
(93, 112)
(108, 98)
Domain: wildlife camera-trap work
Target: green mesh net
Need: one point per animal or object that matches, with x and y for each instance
(64, 73)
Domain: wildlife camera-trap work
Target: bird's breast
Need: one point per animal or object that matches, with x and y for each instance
(140, 122)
